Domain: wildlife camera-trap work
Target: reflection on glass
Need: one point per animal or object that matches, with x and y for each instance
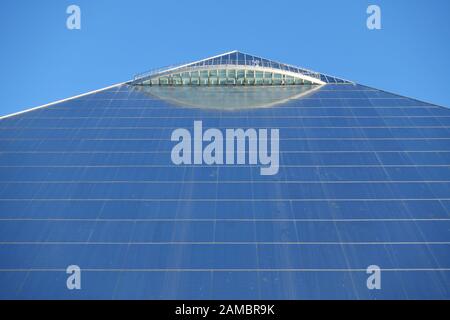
(228, 97)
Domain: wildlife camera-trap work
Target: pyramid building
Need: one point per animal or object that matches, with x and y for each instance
(358, 206)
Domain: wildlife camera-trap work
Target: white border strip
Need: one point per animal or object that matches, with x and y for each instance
(59, 101)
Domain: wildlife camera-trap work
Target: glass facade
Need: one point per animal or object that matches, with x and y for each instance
(364, 180)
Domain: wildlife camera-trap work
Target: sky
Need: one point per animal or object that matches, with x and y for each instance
(41, 60)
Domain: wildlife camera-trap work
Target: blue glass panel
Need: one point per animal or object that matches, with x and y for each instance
(364, 179)
(241, 58)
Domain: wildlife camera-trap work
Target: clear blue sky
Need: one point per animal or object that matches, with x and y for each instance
(42, 61)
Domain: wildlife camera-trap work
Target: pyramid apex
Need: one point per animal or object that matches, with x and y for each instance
(237, 61)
